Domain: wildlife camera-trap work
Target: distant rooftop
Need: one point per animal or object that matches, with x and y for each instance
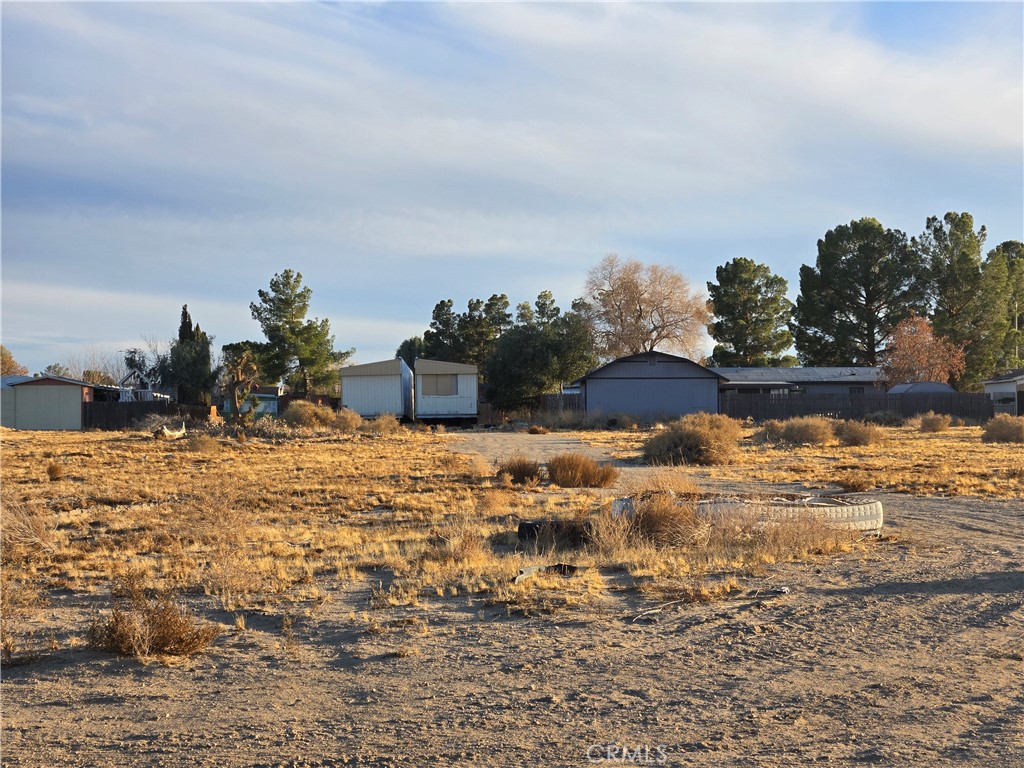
(836, 375)
(1014, 375)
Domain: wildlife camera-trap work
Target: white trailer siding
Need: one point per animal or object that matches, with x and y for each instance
(445, 390)
(376, 388)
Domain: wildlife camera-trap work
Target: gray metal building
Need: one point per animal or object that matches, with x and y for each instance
(650, 386)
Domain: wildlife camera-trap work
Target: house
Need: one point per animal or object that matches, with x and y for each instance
(1007, 392)
(922, 388)
(446, 390)
(843, 380)
(267, 400)
(46, 402)
(650, 386)
(375, 388)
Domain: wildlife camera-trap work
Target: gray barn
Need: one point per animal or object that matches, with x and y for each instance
(650, 386)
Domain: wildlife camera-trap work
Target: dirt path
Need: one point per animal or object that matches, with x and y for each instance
(911, 654)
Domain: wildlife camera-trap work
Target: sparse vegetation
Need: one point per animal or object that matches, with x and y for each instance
(859, 433)
(800, 430)
(934, 422)
(575, 470)
(884, 418)
(1003, 428)
(520, 469)
(55, 471)
(697, 438)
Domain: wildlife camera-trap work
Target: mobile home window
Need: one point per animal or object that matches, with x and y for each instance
(440, 384)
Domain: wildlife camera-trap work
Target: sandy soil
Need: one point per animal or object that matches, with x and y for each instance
(911, 654)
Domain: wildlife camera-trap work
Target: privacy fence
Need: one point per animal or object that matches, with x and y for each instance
(977, 407)
(115, 415)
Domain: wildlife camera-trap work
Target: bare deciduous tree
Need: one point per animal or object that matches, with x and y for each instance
(638, 307)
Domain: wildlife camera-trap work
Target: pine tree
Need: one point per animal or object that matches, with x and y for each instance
(751, 315)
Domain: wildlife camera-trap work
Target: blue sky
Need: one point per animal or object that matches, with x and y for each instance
(399, 154)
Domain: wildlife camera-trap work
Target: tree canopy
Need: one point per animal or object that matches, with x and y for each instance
(636, 307)
(751, 315)
(188, 366)
(915, 353)
(298, 351)
(866, 279)
(466, 337)
(9, 366)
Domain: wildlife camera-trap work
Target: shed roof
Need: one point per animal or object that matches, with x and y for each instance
(922, 387)
(654, 356)
(440, 366)
(10, 381)
(815, 375)
(56, 380)
(381, 368)
(1017, 374)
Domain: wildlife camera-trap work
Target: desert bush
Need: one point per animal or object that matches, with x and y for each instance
(458, 544)
(697, 438)
(520, 469)
(26, 532)
(55, 471)
(143, 626)
(884, 418)
(664, 520)
(575, 470)
(384, 424)
(620, 421)
(347, 420)
(856, 482)
(1003, 428)
(799, 430)
(859, 433)
(302, 413)
(201, 443)
(537, 429)
(934, 422)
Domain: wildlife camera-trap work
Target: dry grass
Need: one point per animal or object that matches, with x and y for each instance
(304, 414)
(697, 438)
(520, 469)
(800, 430)
(1003, 428)
(933, 422)
(576, 470)
(859, 433)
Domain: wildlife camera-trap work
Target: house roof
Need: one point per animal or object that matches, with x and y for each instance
(57, 379)
(439, 366)
(10, 381)
(1017, 374)
(648, 356)
(815, 375)
(381, 368)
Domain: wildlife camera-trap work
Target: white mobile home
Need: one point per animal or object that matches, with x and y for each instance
(375, 388)
(1007, 392)
(445, 390)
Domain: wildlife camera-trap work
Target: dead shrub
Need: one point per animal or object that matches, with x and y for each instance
(855, 433)
(26, 533)
(197, 442)
(664, 520)
(143, 627)
(520, 469)
(856, 482)
(800, 430)
(347, 420)
(302, 413)
(537, 429)
(697, 438)
(55, 471)
(1003, 428)
(459, 544)
(884, 418)
(934, 422)
(575, 470)
(384, 424)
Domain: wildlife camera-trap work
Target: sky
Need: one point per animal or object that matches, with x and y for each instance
(161, 154)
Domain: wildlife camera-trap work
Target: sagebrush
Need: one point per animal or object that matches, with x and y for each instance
(697, 438)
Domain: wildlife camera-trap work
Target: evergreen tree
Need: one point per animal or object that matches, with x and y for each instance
(970, 295)
(188, 366)
(298, 351)
(751, 315)
(411, 350)
(865, 281)
(1012, 355)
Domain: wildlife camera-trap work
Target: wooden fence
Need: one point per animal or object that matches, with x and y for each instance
(973, 406)
(114, 415)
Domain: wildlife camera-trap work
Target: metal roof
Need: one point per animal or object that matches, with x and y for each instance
(647, 356)
(816, 375)
(60, 379)
(922, 387)
(439, 366)
(383, 368)
(1017, 374)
